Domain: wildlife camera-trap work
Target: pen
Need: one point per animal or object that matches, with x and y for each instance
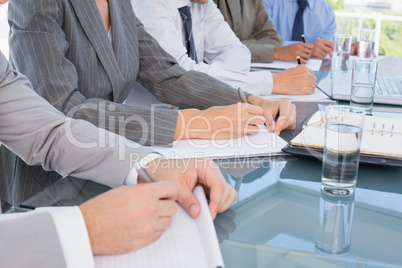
(304, 40)
(145, 174)
(241, 95)
(298, 60)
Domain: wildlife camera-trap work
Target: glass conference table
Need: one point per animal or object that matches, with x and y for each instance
(281, 219)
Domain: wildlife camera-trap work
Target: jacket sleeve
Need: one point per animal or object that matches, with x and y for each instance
(264, 38)
(41, 135)
(46, 237)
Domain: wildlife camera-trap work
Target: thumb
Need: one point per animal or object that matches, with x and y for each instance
(189, 202)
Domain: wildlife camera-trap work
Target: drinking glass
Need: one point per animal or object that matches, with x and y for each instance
(366, 43)
(364, 76)
(343, 132)
(340, 76)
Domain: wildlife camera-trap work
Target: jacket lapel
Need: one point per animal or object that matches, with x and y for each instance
(91, 21)
(234, 7)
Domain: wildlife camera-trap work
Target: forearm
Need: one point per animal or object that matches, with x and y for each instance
(260, 52)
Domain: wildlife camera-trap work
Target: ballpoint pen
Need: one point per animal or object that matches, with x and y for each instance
(241, 95)
(145, 174)
(298, 59)
(304, 40)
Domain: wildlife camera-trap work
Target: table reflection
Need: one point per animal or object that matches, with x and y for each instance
(334, 224)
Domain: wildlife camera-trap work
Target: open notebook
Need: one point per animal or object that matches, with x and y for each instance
(382, 136)
(317, 96)
(261, 144)
(186, 243)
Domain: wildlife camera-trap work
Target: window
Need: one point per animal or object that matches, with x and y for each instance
(385, 16)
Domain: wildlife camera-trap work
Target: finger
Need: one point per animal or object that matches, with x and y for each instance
(305, 56)
(283, 116)
(270, 121)
(256, 120)
(219, 190)
(231, 197)
(167, 208)
(163, 223)
(156, 235)
(328, 47)
(252, 130)
(164, 190)
(253, 109)
(291, 123)
(189, 202)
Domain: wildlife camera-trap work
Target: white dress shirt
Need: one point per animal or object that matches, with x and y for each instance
(219, 52)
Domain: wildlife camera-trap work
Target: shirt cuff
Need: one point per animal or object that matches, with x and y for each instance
(260, 83)
(132, 176)
(73, 235)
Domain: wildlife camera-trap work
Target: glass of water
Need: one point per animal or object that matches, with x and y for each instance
(340, 75)
(364, 76)
(343, 132)
(366, 43)
(341, 52)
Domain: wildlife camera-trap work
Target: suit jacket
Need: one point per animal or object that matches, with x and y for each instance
(42, 135)
(31, 241)
(252, 25)
(63, 48)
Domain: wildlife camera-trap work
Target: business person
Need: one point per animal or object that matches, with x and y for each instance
(216, 50)
(84, 56)
(251, 23)
(118, 221)
(313, 18)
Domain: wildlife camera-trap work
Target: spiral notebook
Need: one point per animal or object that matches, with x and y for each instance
(381, 140)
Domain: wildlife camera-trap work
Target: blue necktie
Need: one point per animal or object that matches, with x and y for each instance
(185, 14)
(298, 25)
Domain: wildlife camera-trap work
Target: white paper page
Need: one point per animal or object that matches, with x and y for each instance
(179, 246)
(317, 96)
(312, 64)
(263, 143)
(207, 231)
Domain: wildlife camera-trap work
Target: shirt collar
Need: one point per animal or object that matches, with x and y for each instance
(179, 3)
(310, 3)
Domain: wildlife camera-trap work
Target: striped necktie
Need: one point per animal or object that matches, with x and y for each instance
(185, 14)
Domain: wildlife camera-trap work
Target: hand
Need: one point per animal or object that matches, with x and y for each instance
(186, 174)
(130, 217)
(322, 48)
(283, 109)
(290, 52)
(354, 50)
(221, 122)
(294, 81)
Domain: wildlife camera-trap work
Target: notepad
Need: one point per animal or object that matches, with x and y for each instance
(262, 144)
(382, 136)
(312, 64)
(317, 96)
(186, 243)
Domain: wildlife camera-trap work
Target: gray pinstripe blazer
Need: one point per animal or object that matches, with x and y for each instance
(63, 48)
